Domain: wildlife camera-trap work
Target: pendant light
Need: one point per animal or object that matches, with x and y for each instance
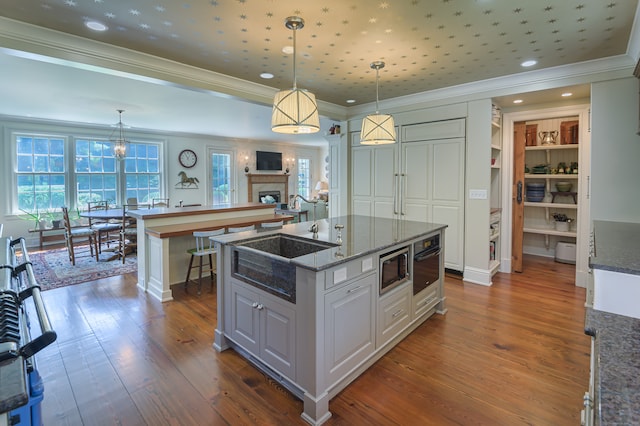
(377, 129)
(120, 147)
(295, 110)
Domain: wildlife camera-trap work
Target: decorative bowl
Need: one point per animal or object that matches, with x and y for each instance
(564, 186)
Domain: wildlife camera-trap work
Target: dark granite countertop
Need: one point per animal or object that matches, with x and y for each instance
(617, 378)
(617, 247)
(361, 235)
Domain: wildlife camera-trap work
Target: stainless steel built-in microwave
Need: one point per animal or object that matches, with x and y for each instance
(394, 269)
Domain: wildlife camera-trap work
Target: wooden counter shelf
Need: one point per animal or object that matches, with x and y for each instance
(181, 229)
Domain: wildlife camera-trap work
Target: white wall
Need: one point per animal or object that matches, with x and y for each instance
(615, 151)
(172, 143)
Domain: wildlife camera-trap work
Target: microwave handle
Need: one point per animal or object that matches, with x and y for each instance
(405, 255)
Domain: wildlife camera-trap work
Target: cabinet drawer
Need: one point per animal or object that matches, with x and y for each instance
(394, 314)
(348, 271)
(426, 299)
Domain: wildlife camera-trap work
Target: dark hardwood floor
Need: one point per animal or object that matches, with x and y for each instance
(514, 353)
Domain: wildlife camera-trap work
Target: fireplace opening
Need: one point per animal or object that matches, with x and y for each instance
(269, 197)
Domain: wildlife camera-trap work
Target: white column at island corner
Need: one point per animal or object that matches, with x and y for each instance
(318, 332)
(165, 235)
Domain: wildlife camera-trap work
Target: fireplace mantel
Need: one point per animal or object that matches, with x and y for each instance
(280, 182)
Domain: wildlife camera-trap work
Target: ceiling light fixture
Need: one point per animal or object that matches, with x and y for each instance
(295, 110)
(96, 26)
(566, 94)
(529, 63)
(377, 129)
(120, 147)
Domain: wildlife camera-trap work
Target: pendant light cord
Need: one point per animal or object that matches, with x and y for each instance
(377, 85)
(295, 51)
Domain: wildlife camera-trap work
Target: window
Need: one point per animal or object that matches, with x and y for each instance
(221, 183)
(142, 172)
(53, 171)
(95, 167)
(304, 177)
(98, 177)
(40, 170)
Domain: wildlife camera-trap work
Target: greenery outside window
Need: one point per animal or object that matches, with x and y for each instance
(40, 172)
(221, 172)
(142, 172)
(304, 177)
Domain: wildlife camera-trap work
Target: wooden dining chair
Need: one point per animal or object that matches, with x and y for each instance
(204, 248)
(78, 236)
(104, 228)
(272, 224)
(128, 241)
(159, 202)
(241, 228)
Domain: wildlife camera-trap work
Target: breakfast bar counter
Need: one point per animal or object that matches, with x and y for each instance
(162, 253)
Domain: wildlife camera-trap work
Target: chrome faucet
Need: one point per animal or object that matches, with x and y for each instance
(314, 226)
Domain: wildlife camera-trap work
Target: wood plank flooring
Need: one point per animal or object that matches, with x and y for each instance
(514, 353)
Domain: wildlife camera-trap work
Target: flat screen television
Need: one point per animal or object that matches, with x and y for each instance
(268, 160)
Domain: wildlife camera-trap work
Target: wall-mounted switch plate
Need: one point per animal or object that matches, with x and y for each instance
(478, 194)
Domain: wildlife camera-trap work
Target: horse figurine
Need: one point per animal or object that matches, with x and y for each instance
(187, 182)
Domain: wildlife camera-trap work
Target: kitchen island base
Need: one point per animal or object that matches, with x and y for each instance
(319, 335)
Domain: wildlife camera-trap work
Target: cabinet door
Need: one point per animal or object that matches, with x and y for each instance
(416, 181)
(245, 317)
(349, 326)
(277, 336)
(385, 179)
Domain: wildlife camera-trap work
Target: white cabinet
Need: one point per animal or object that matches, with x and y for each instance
(350, 323)
(265, 326)
(394, 313)
(420, 178)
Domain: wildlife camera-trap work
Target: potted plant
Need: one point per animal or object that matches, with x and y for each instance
(38, 219)
(562, 221)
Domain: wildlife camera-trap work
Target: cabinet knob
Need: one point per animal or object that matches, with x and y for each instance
(254, 305)
(260, 306)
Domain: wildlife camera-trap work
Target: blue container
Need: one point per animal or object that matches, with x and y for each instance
(31, 413)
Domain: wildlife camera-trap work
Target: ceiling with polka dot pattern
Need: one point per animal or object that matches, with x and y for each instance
(426, 44)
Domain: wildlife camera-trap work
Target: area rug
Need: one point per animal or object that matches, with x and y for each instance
(53, 269)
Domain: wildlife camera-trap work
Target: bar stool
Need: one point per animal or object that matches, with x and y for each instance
(204, 248)
(241, 228)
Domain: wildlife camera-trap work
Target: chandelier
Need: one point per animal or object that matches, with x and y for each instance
(295, 110)
(120, 147)
(377, 129)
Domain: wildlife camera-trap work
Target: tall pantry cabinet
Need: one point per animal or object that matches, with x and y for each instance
(420, 178)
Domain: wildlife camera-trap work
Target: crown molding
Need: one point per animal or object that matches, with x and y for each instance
(579, 73)
(38, 43)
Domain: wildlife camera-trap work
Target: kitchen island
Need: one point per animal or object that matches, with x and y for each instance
(314, 322)
(166, 233)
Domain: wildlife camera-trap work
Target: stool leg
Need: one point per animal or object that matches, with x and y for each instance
(186, 282)
(200, 276)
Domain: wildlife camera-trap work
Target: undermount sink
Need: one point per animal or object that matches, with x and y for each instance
(264, 262)
(285, 245)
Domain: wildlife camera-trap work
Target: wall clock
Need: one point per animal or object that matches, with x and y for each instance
(187, 158)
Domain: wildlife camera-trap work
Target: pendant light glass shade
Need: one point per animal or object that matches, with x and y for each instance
(120, 147)
(295, 110)
(377, 129)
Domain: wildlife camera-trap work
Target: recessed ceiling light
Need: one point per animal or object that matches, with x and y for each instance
(529, 63)
(266, 75)
(351, 101)
(517, 101)
(288, 50)
(96, 26)
(566, 94)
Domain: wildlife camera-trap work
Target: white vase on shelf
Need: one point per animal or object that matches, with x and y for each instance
(562, 226)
